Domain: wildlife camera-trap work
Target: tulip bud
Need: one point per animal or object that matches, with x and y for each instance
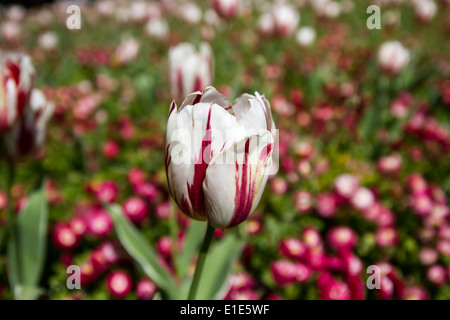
(266, 24)
(190, 13)
(48, 41)
(16, 13)
(189, 70)
(226, 8)
(157, 28)
(11, 31)
(393, 57)
(305, 36)
(8, 101)
(425, 10)
(127, 52)
(28, 134)
(286, 19)
(16, 79)
(218, 156)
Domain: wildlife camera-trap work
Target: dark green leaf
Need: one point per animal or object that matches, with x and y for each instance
(26, 247)
(136, 245)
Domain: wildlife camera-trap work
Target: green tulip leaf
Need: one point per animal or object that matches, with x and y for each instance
(137, 246)
(27, 247)
(218, 265)
(191, 246)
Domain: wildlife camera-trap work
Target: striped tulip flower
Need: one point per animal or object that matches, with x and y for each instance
(16, 81)
(28, 134)
(226, 8)
(190, 70)
(219, 155)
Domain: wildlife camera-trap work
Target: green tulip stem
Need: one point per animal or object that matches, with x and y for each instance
(10, 175)
(201, 261)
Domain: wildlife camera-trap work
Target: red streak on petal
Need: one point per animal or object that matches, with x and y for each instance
(221, 149)
(21, 102)
(14, 70)
(179, 82)
(4, 119)
(195, 191)
(245, 190)
(25, 140)
(172, 107)
(197, 98)
(183, 204)
(263, 156)
(186, 207)
(197, 84)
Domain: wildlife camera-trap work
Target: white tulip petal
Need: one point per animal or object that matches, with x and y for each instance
(190, 70)
(235, 180)
(209, 95)
(195, 134)
(11, 100)
(253, 112)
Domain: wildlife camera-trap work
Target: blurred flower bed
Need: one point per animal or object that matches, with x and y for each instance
(364, 161)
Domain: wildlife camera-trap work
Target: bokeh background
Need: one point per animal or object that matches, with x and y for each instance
(364, 146)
